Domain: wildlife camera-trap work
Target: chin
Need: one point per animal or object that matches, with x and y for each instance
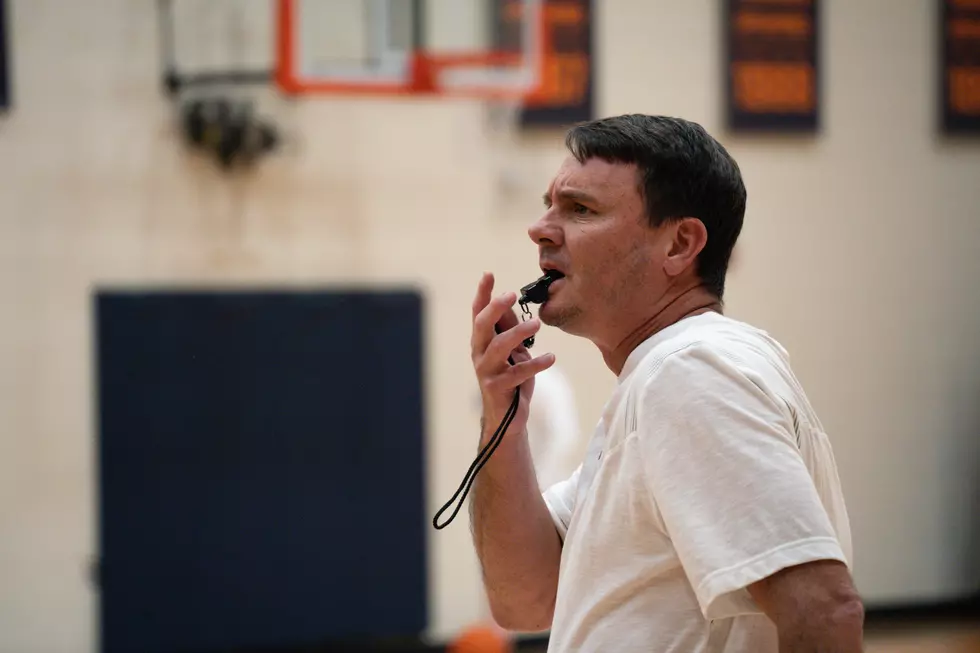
(547, 313)
(555, 315)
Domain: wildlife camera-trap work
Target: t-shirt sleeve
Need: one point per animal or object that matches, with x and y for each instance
(560, 499)
(733, 491)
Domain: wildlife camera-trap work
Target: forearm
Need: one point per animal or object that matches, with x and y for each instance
(842, 631)
(515, 538)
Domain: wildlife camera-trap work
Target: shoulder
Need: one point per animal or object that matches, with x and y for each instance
(710, 350)
(716, 378)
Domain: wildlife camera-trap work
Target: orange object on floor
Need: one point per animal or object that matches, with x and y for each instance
(481, 639)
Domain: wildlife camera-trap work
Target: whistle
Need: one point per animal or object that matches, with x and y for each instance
(536, 292)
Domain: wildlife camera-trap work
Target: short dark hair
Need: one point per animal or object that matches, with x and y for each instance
(684, 172)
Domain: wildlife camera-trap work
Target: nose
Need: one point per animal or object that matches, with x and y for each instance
(545, 231)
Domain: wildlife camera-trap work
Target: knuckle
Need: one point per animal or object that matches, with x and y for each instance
(493, 386)
(481, 368)
(500, 344)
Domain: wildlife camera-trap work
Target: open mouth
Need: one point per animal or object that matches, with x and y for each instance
(536, 292)
(553, 279)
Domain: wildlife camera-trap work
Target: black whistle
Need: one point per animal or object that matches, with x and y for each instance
(536, 292)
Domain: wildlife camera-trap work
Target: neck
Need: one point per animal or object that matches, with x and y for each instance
(673, 308)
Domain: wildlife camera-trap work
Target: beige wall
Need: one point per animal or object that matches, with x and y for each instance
(858, 254)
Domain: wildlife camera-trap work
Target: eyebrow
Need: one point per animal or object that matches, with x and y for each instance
(573, 195)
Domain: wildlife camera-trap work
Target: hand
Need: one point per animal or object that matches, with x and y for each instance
(490, 350)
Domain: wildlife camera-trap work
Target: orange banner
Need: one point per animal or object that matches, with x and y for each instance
(568, 73)
(772, 76)
(960, 86)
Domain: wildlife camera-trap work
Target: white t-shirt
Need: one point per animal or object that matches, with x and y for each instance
(708, 471)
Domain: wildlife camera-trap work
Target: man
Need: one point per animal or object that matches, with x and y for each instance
(707, 515)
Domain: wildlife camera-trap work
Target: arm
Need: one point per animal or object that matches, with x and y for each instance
(515, 538)
(815, 608)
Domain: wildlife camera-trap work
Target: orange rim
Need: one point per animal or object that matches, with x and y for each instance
(423, 77)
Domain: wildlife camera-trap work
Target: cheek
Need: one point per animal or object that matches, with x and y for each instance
(640, 260)
(623, 271)
(609, 263)
(606, 271)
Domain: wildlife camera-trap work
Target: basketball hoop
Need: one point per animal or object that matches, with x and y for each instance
(306, 64)
(400, 55)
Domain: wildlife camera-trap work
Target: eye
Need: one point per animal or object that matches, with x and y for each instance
(580, 209)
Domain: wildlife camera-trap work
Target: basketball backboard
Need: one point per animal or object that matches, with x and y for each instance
(235, 62)
(473, 48)
(444, 47)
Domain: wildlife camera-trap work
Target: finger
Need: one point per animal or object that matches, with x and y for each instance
(516, 375)
(504, 351)
(521, 354)
(508, 342)
(508, 320)
(483, 324)
(484, 292)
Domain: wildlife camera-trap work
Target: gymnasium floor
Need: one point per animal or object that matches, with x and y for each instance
(961, 636)
(955, 638)
(942, 640)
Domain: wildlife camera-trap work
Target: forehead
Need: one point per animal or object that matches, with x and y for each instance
(597, 177)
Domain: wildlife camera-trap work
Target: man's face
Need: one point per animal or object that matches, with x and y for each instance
(595, 230)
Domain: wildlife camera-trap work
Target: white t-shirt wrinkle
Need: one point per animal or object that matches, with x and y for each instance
(708, 471)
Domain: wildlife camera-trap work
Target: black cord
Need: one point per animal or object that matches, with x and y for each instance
(535, 292)
(479, 462)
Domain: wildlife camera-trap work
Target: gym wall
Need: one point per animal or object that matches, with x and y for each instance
(858, 253)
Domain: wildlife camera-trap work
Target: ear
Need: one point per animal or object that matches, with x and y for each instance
(689, 238)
